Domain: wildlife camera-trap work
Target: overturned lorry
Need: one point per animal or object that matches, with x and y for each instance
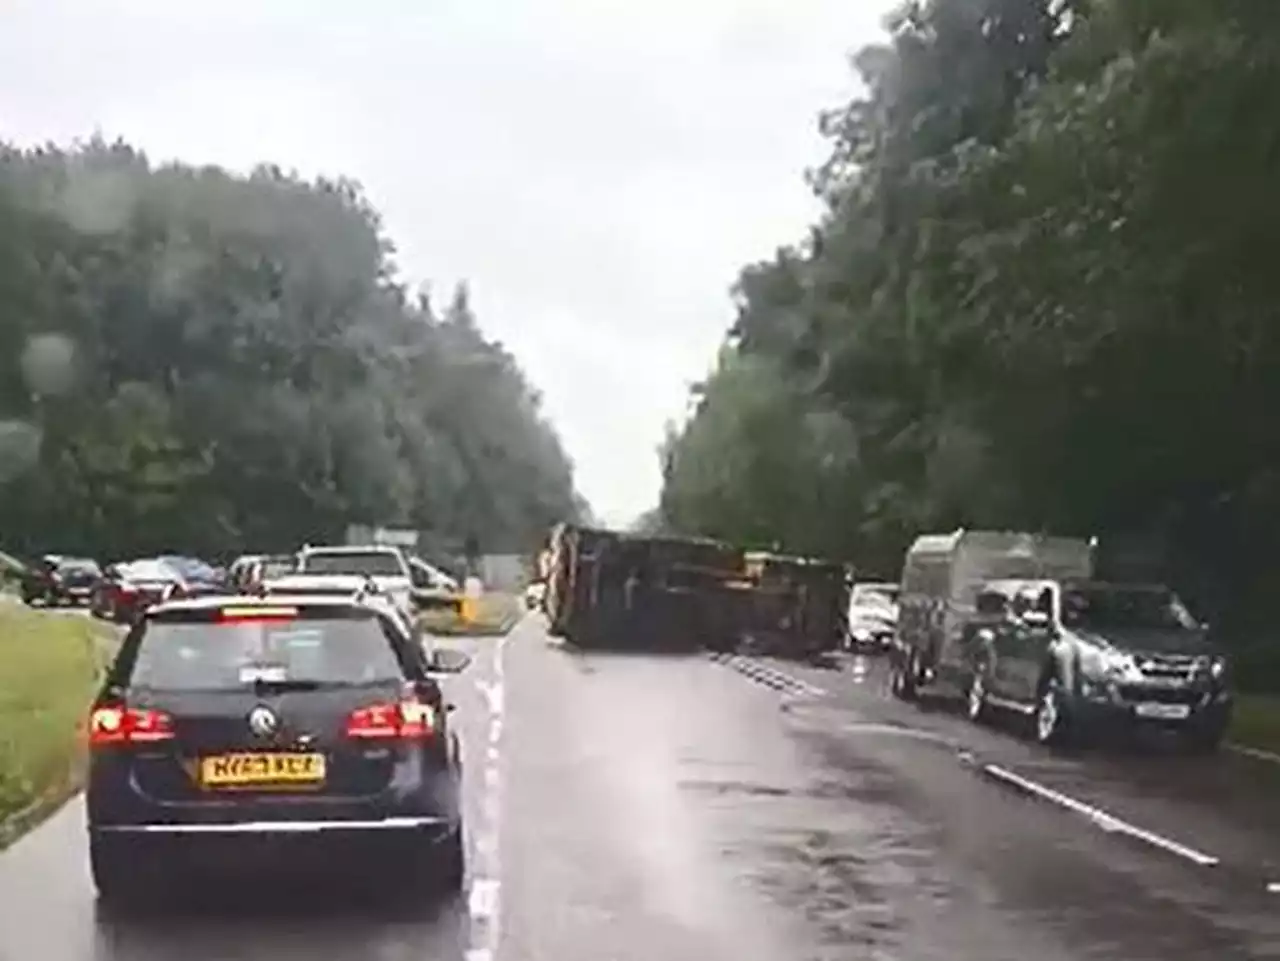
(795, 606)
(609, 589)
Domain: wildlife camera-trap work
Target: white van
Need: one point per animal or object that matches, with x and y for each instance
(940, 582)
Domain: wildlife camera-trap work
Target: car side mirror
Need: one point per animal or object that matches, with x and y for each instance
(444, 660)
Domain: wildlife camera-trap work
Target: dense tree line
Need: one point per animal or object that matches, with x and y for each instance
(1043, 295)
(195, 360)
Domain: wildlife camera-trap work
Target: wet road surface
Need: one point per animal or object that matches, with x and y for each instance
(632, 807)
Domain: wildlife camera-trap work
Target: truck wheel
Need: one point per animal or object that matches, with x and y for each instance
(902, 678)
(1203, 740)
(1050, 718)
(976, 707)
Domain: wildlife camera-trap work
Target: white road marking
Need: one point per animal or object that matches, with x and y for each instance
(768, 675)
(484, 897)
(1256, 753)
(1273, 887)
(1107, 822)
(859, 669)
(492, 695)
(912, 732)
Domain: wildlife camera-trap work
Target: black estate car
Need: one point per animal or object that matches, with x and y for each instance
(247, 730)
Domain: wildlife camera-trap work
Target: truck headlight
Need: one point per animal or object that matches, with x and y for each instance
(1218, 668)
(1104, 665)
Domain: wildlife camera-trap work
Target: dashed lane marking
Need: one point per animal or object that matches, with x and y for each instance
(768, 675)
(1100, 818)
(484, 897)
(482, 902)
(1257, 753)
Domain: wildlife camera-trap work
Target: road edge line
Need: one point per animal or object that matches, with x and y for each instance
(1256, 753)
(1100, 818)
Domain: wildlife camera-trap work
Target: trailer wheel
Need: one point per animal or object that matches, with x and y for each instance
(902, 677)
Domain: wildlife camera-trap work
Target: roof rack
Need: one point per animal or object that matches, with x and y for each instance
(369, 588)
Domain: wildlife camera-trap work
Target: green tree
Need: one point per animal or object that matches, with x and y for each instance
(195, 360)
(1040, 296)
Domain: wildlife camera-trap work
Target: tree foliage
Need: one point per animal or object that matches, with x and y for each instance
(1041, 296)
(191, 359)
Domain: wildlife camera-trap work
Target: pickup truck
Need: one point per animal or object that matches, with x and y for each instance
(386, 566)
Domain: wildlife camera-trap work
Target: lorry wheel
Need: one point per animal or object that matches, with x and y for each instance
(1050, 717)
(902, 679)
(1203, 740)
(976, 707)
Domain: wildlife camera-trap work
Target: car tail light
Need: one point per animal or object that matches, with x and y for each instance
(128, 725)
(405, 720)
(258, 613)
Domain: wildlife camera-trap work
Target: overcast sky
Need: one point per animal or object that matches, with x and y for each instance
(598, 170)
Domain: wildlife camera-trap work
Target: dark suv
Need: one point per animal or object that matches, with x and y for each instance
(1085, 658)
(237, 730)
(56, 580)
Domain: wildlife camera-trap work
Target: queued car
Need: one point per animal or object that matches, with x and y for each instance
(237, 733)
(250, 570)
(351, 586)
(56, 580)
(198, 577)
(385, 565)
(535, 596)
(127, 589)
(872, 616)
(434, 589)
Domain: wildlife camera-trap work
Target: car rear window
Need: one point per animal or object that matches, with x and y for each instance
(232, 655)
(148, 571)
(376, 563)
(278, 568)
(79, 567)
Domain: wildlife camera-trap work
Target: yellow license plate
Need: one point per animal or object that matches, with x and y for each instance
(244, 770)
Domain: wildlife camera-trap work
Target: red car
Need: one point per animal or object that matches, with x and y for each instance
(128, 589)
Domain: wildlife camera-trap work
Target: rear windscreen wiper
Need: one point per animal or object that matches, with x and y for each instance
(280, 686)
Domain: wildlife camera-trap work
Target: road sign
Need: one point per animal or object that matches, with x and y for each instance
(395, 538)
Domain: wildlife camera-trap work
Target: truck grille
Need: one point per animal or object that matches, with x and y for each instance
(1159, 695)
(1177, 668)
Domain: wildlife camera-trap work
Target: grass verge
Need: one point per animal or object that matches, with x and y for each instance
(497, 614)
(1256, 722)
(50, 665)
